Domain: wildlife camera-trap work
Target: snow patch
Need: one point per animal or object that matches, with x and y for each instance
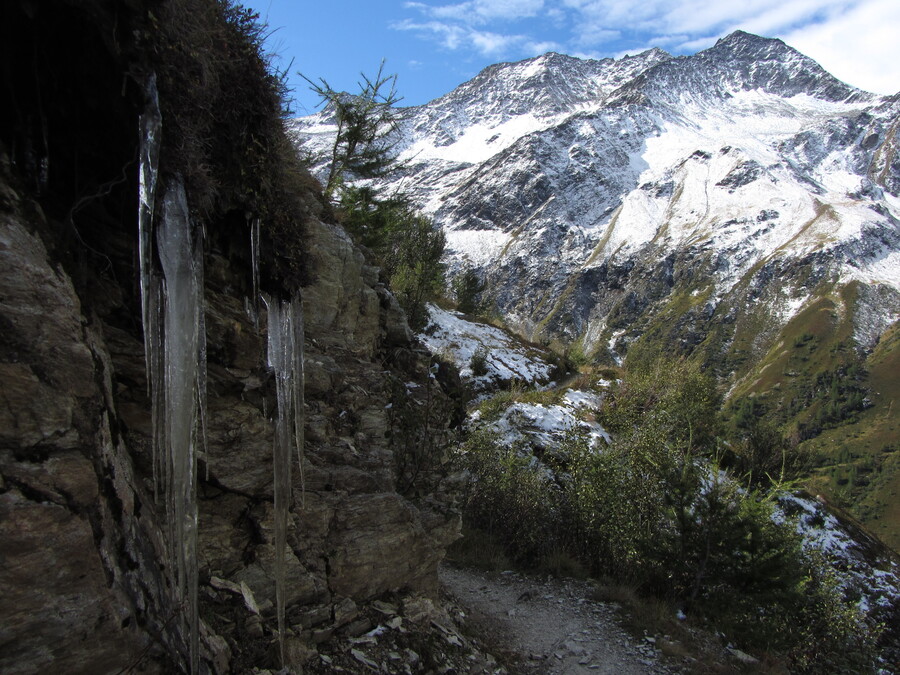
(545, 426)
(506, 358)
(875, 582)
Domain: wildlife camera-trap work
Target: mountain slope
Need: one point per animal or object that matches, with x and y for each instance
(724, 205)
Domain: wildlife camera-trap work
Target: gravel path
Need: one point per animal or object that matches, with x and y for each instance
(551, 626)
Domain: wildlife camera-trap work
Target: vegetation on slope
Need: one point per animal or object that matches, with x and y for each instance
(659, 511)
(805, 380)
(223, 107)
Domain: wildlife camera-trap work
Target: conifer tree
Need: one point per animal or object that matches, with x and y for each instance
(365, 122)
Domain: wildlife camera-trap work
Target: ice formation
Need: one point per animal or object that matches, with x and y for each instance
(150, 124)
(172, 310)
(285, 358)
(175, 360)
(183, 348)
(254, 261)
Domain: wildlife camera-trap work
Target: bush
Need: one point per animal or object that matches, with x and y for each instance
(675, 394)
(510, 499)
(412, 261)
(420, 432)
(468, 287)
(478, 362)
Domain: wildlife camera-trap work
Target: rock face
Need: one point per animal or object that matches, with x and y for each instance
(81, 537)
(84, 549)
(74, 539)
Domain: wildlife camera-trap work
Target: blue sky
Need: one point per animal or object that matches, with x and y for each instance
(435, 45)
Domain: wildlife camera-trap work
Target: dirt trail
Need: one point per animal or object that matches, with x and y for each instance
(551, 626)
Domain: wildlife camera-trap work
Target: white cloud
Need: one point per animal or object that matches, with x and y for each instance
(860, 47)
(454, 36)
(538, 48)
(481, 11)
(856, 40)
(489, 44)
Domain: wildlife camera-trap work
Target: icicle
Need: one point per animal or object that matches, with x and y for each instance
(254, 262)
(149, 125)
(285, 358)
(153, 337)
(298, 393)
(182, 266)
(201, 349)
(280, 360)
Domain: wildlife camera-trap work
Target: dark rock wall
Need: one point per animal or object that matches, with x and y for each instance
(83, 576)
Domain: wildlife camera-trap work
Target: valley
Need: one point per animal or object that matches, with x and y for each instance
(738, 207)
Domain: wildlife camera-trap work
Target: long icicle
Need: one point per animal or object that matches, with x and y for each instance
(149, 129)
(298, 390)
(150, 125)
(254, 263)
(202, 374)
(285, 358)
(182, 263)
(153, 334)
(279, 352)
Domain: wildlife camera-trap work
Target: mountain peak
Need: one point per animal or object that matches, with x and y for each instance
(546, 85)
(740, 61)
(744, 39)
(649, 54)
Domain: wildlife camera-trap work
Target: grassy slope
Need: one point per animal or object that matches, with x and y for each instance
(864, 468)
(855, 462)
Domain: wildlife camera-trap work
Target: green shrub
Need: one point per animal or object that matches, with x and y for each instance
(476, 548)
(468, 287)
(478, 362)
(420, 433)
(510, 499)
(412, 261)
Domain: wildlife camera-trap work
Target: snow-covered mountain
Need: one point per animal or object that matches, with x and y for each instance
(574, 185)
(741, 205)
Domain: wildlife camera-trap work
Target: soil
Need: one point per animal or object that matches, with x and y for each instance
(549, 626)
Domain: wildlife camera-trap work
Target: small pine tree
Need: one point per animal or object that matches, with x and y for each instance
(468, 287)
(365, 123)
